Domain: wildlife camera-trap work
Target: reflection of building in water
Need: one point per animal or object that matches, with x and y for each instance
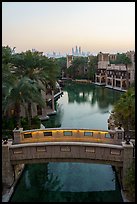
(115, 76)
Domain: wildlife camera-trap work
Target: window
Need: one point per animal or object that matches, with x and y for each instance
(47, 133)
(129, 75)
(119, 135)
(17, 151)
(90, 149)
(107, 135)
(65, 149)
(39, 110)
(115, 151)
(41, 149)
(88, 133)
(27, 135)
(111, 136)
(67, 133)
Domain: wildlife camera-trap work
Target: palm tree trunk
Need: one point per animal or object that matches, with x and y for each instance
(17, 114)
(29, 115)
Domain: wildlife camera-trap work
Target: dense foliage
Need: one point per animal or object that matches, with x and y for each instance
(24, 76)
(62, 64)
(83, 68)
(124, 110)
(92, 67)
(130, 182)
(121, 59)
(124, 113)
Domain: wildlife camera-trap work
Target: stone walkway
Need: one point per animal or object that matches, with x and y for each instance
(6, 194)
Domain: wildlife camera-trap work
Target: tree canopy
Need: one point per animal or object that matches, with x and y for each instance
(24, 76)
(121, 59)
(124, 110)
(130, 181)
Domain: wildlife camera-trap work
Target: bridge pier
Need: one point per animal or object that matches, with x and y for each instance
(7, 168)
(127, 161)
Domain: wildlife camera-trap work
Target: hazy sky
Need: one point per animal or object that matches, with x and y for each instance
(59, 26)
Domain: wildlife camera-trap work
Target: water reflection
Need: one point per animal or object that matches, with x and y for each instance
(35, 183)
(81, 106)
(91, 93)
(55, 121)
(67, 182)
(79, 177)
(84, 105)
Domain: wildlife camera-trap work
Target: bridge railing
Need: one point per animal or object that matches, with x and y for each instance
(75, 135)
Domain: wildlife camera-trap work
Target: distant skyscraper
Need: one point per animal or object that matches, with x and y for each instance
(72, 51)
(76, 50)
(33, 50)
(79, 50)
(83, 53)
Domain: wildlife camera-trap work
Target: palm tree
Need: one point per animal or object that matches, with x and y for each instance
(24, 91)
(6, 54)
(26, 70)
(77, 69)
(36, 67)
(8, 79)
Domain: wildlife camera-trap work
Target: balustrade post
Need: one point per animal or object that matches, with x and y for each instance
(17, 135)
(119, 133)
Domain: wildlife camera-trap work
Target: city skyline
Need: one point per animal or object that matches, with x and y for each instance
(60, 26)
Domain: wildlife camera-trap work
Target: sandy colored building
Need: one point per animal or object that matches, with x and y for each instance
(115, 76)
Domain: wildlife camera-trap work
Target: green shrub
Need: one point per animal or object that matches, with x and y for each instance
(130, 181)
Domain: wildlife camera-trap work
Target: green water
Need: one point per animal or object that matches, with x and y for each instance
(81, 106)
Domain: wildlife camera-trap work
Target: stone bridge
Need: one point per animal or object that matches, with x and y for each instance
(119, 155)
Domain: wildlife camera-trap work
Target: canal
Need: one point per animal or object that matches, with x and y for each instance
(81, 106)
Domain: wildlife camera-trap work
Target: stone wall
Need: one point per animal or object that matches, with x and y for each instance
(7, 168)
